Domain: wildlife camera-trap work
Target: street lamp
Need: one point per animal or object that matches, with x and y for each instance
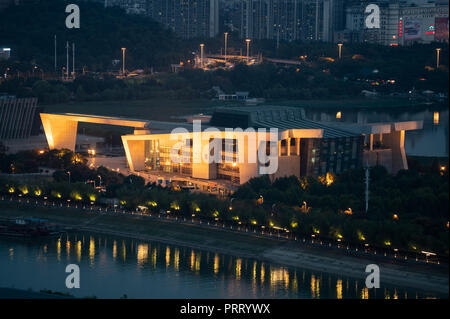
(340, 50)
(231, 204)
(226, 39)
(438, 52)
(201, 54)
(260, 200)
(100, 178)
(68, 172)
(248, 48)
(123, 61)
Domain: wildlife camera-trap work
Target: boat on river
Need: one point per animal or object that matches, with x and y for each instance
(28, 227)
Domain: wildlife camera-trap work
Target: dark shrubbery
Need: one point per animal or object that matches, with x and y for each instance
(408, 211)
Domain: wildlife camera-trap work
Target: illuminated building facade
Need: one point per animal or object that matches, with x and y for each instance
(277, 141)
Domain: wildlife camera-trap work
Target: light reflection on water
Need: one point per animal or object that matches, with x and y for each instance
(112, 266)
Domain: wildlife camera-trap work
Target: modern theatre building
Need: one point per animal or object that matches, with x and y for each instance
(239, 143)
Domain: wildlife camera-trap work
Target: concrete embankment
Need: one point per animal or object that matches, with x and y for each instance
(427, 277)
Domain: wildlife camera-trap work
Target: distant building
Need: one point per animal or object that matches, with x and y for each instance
(238, 96)
(289, 20)
(130, 6)
(5, 53)
(270, 19)
(5, 3)
(189, 19)
(333, 19)
(402, 23)
(19, 118)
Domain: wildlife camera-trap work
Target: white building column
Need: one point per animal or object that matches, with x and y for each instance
(288, 145)
(60, 133)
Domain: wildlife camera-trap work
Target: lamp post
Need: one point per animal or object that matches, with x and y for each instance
(123, 61)
(438, 52)
(100, 178)
(340, 50)
(201, 54)
(231, 204)
(68, 173)
(226, 39)
(248, 49)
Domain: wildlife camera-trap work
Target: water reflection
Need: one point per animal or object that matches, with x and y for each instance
(142, 254)
(238, 268)
(339, 289)
(216, 264)
(78, 251)
(198, 273)
(436, 118)
(58, 249)
(124, 251)
(315, 287)
(91, 250)
(114, 252)
(167, 256)
(176, 260)
(68, 248)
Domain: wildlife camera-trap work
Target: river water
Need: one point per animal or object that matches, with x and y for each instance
(111, 267)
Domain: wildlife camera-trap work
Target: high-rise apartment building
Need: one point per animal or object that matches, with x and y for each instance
(187, 18)
(333, 19)
(6, 3)
(401, 22)
(289, 20)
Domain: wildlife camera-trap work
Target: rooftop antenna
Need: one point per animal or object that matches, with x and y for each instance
(56, 66)
(317, 21)
(73, 59)
(278, 37)
(367, 180)
(67, 58)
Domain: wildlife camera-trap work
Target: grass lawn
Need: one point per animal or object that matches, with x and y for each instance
(167, 109)
(160, 109)
(154, 109)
